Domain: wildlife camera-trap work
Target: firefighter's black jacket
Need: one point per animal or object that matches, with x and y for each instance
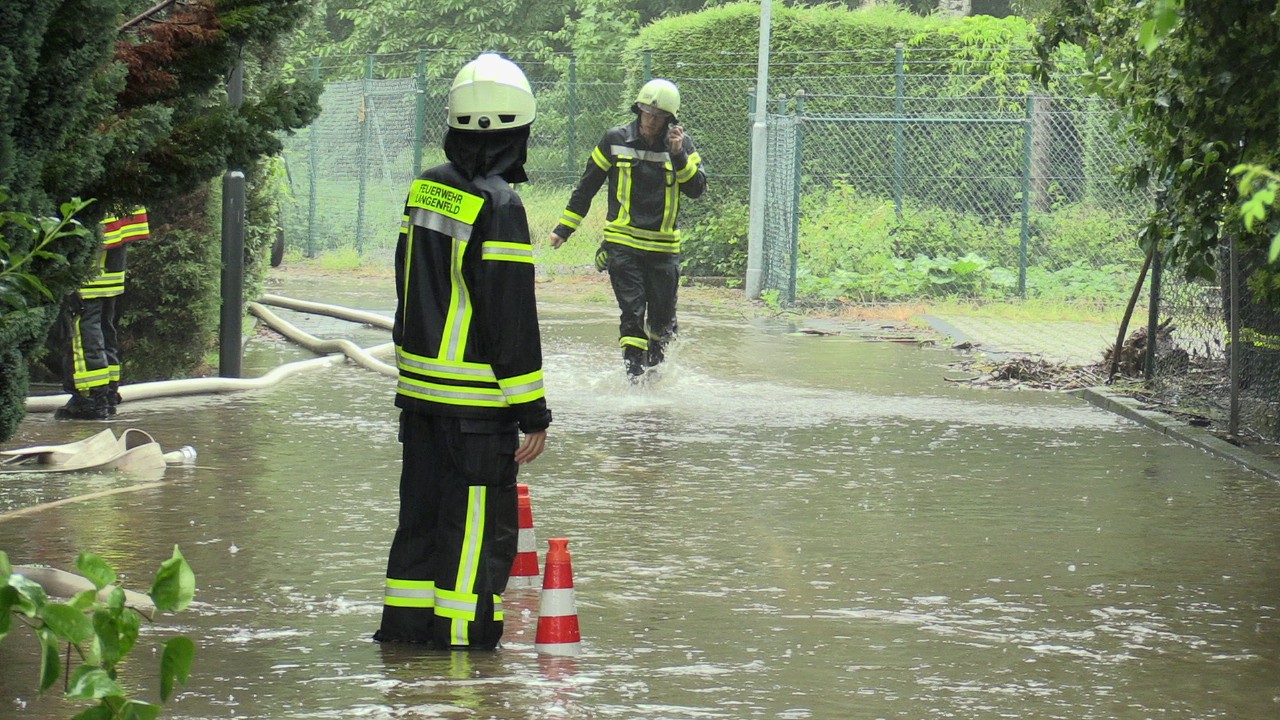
(645, 185)
(466, 324)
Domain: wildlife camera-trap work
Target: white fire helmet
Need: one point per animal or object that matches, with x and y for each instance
(490, 93)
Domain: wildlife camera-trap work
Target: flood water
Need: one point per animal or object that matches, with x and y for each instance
(779, 526)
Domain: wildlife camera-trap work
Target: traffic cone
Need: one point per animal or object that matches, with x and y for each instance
(558, 609)
(524, 571)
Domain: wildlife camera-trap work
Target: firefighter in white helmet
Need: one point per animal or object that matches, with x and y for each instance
(470, 359)
(649, 164)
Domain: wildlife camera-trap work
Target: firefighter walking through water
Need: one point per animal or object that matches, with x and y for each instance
(649, 164)
(470, 359)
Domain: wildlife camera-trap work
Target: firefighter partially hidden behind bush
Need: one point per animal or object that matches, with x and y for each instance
(470, 358)
(87, 326)
(649, 164)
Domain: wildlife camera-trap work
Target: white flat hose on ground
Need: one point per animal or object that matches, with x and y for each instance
(365, 357)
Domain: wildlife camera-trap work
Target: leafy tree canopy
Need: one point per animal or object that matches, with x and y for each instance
(1198, 85)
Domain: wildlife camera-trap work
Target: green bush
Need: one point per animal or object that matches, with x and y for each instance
(179, 271)
(854, 247)
(715, 243)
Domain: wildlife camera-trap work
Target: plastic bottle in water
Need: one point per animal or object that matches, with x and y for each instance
(185, 455)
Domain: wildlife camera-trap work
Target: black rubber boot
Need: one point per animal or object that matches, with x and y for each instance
(633, 360)
(84, 407)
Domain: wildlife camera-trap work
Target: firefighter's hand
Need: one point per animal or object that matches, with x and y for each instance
(556, 240)
(532, 447)
(675, 140)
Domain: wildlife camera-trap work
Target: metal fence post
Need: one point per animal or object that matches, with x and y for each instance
(795, 198)
(231, 314)
(420, 114)
(759, 158)
(899, 110)
(1153, 314)
(571, 152)
(1028, 138)
(1234, 348)
(314, 161)
(366, 89)
(648, 65)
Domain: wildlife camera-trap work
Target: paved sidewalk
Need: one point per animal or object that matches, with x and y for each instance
(1064, 342)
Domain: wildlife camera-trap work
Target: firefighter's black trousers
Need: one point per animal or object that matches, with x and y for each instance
(456, 540)
(91, 350)
(645, 285)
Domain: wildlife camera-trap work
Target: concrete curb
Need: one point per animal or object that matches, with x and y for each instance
(1179, 430)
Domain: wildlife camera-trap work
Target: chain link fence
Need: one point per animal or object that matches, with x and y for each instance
(900, 198)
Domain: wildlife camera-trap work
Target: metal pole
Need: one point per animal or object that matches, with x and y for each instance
(230, 333)
(648, 65)
(1153, 314)
(571, 155)
(1233, 356)
(1028, 137)
(795, 197)
(314, 189)
(899, 109)
(759, 158)
(420, 114)
(365, 125)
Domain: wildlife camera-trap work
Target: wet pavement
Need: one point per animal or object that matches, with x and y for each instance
(778, 525)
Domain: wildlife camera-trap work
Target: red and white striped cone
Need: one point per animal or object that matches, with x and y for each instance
(524, 571)
(558, 610)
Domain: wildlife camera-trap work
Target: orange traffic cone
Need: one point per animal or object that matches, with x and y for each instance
(558, 610)
(524, 571)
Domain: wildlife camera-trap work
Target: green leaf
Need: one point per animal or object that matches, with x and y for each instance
(97, 712)
(175, 584)
(8, 598)
(84, 599)
(106, 624)
(1275, 251)
(95, 569)
(130, 626)
(67, 622)
(139, 710)
(175, 664)
(49, 660)
(31, 595)
(5, 567)
(92, 683)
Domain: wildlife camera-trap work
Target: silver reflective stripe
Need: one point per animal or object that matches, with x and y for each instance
(459, 316)
(439, 368)
(510, 390)
(475, 395)
(643, 155)
(506, 251)
(441, 224)
(459, 605)
(407, 593)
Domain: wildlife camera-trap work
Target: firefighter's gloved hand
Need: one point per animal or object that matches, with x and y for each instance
(602, 258)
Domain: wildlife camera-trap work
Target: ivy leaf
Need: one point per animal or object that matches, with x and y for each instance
(175, 664)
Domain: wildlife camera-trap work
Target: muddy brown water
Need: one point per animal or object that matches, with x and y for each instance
(779, 526)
